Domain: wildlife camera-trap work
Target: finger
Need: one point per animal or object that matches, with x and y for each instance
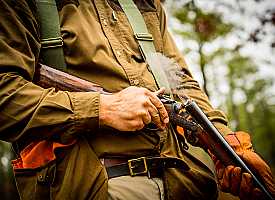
(160, 107)
(219, 169)
(155, 117)
(246, 186)
(160, 91)
(236, 177)
(213, 157)
(257, 194)
(146, 118)
(225, 182)
(137, 125)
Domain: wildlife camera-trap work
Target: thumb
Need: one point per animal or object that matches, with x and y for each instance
(160, 91)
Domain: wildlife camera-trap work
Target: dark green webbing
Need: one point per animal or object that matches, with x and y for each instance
(52, 44)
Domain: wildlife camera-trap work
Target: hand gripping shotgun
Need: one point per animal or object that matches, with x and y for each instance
(201, 128)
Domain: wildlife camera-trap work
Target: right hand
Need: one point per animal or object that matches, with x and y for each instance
(132, 108)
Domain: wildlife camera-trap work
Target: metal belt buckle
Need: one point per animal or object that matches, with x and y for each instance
(134, 164)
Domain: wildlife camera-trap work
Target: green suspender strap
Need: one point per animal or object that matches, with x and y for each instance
(144, 39)
(51, 41)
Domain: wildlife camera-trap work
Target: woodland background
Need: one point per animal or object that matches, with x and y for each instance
(229, 46)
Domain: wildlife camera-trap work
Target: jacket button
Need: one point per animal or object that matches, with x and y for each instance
(118, 53)
(105, 22)
(136, 82)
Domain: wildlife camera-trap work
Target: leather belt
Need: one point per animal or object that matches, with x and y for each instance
(143, 166)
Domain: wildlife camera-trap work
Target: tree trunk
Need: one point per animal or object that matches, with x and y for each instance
(202, 67)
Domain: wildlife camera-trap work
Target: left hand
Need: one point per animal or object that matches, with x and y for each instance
(231, 179)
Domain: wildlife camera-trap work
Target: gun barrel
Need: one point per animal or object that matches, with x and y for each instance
(228, 156)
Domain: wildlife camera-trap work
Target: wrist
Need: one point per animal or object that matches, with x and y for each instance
(104, 102)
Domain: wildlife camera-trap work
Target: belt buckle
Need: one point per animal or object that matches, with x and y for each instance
(132, 166)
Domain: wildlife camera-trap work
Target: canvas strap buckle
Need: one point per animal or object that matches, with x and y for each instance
(138, 166)
(144, 36)
(51, 42)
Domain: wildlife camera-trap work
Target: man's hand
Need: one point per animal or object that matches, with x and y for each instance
(132, 108)
(232, 179)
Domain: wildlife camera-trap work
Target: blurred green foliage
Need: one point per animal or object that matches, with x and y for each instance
(203, 28)
(255, 114)
(7, 184)
(249, 103)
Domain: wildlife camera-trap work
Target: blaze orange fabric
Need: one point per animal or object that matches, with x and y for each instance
(38, 154)
(180, 130)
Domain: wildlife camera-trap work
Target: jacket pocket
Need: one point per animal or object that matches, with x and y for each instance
(35, 183)
(196, 183)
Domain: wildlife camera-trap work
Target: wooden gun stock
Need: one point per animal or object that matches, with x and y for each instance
(47, 77)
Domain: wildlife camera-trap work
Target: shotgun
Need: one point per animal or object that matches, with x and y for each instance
(203, 131)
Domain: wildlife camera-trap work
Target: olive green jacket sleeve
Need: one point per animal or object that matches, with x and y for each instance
(28, 111)
(189, 85)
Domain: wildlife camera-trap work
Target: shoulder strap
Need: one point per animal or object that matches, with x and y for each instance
(144, 39)
(51, 41)
(141, 33)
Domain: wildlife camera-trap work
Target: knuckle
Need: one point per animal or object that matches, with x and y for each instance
(163, 112)
(156, 120)
(160, 106)
(146, 102)
(147, 120)
(140, 125)
(145, 91)
(142, 113)
(156, 117)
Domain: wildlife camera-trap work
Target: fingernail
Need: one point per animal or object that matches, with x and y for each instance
(166, 120)
(219, 174)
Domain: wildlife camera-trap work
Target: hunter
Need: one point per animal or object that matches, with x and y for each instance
(82, 145)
